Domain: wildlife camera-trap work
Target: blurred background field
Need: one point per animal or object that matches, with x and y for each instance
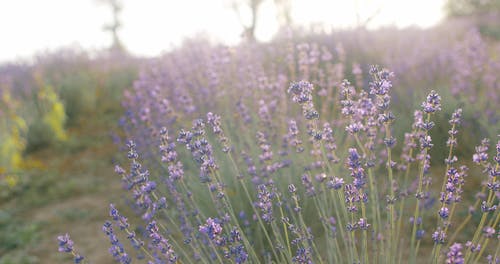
(59, 115)
(64, 111)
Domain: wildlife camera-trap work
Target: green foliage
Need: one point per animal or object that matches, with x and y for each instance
(485, 13)
(36, 172)
(39, 136)
(492, 31)
(78, 93)
(14, 234)
(55, 117)
(456, 8)
(49, 126)
(74, 214)
(12, 130)
(17, 258)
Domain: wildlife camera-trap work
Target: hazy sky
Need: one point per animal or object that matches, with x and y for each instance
(152, 26)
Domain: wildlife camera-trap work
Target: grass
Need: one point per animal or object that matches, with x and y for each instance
(72, 194)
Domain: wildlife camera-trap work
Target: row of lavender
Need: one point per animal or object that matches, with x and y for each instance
(199, 78)
(304, 171)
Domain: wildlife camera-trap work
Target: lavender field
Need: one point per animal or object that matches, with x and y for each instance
(352, 146)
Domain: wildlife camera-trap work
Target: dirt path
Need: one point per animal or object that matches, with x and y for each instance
(71, 196)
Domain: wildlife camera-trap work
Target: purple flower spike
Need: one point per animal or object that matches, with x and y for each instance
(497, 156)
(212, 228)
(65, 243)
(335, 183)
(160, 243)
(444, 212)
(455, 255)
(264, 203)
(357, 171)
(432, 103)
(489, 232)
(116, 250)
(121, 221)
(439, 236)
(481, 154)
(302, 94)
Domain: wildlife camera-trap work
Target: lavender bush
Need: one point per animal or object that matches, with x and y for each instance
(237, 158)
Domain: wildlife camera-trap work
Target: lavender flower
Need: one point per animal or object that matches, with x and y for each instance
(265, 114)
(306, 181)
(432, 103)
(335, 183)
(160, 243)
(123, 224)
(439, 236)
(267, 153)
(453, 186)
(251, 168)
(354, 128)
(426, 142)
(264, 203)
(353, 196)
(302, 94)
(239, 253)
(485, 208)
(444, 212)
(302, 256)
(138, 182)
(473, 247)
(455, 256)
(489, 232)
(497, 156)
(116, 250)
(357, 171)
(292, 136)
(330, 144)
(363, 224)
(200, 149)
(492, 260)
(169, 155)
(67, 245)
(243, 112)
(347, 103)
(420, 234)
(456, 117)
(214, 121)
(212, 228)
(381, 84)
(481, 154)
(222, 77)
(121, 221)
(230, 246)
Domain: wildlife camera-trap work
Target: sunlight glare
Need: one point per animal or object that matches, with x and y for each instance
(152, 26)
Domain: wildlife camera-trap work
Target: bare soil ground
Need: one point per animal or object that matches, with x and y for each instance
(71, 196)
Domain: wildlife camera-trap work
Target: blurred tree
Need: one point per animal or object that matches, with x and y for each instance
(115, 25)
(485, 14)
(242, 6)
(457, 8)
(363, 19)
(248, 12)
(284, 12)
